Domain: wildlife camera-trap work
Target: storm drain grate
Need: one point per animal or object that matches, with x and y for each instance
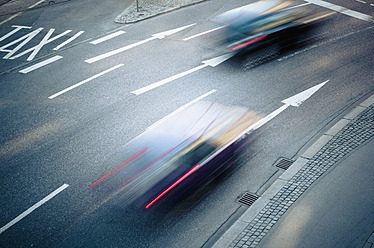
(248, 199)
(283, 163)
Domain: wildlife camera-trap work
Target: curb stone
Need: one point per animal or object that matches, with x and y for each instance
(131, 15)
(347, 134)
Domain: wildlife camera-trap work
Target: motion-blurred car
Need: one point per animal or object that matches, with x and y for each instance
(179, 154)
(266, 22)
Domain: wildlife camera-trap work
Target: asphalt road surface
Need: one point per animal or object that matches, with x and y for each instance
(68, 104)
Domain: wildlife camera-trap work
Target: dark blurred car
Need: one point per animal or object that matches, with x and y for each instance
(178, 155)
(266, 22)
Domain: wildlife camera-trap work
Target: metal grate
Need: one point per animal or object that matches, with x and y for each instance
(248, 199)
(283, 163)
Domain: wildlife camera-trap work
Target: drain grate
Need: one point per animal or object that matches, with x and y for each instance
(283, 163)
(248, 199)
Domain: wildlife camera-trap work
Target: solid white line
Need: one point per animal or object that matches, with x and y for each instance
(119, 50)
(105, 38)
(69, 40)
(181, 108)
(10, 18)
(342, 10)
(360, 1)
(40, 64)
(206, 32)
(35, 206)
(167, 80)
(85, 81)
(32, 6)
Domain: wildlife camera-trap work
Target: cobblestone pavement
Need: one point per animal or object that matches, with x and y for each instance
(358, 127)
(143, 9)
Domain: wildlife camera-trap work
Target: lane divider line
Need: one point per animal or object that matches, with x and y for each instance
(84, 81)
(108, 37)
(40, 64)
(342, 10)
(32, 208)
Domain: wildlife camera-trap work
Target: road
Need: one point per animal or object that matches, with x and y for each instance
(61, 122)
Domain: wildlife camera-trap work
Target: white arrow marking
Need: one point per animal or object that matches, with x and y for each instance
(212, 62)
(203, 33)
(170, 32)
(122, 49)
(295, 101)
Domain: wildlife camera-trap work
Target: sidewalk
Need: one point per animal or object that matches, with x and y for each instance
(273, 220)
(144, 9)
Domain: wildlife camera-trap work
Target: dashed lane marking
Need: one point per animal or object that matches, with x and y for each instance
(32, 208)
(40, 64)
(108, 37)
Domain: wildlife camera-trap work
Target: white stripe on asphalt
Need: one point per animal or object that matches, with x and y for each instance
(40, 64)
(167, 80)
(35, 206)
(68, 40)
(203, 33)
(342, 10)
(119, 50)
(181, 108)
(108, 37)
(85, 81)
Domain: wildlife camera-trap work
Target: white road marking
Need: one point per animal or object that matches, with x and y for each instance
(32, 6)
(122, 49)
(32, 208)
(108, 37)
(181, 108)
(10, 18)
(26, 39)
(342, 10)
(119, 50)
(295, 101)
(85, 81)
(360, 1)
(17, 14)
(43, 42)
(40, 64)
(13, 31)
(68, 40)
(203, 33)
(212, 62)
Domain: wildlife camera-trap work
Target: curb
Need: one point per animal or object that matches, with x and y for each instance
(234, 233)
(131, 15)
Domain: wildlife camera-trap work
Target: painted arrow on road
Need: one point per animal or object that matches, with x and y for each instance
(122, 49)
(295, 101)
(211, 62)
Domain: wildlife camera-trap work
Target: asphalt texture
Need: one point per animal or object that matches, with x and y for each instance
(334, 185)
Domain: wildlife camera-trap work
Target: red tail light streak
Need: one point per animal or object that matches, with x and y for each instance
(119, 166)
(128, 180)
(173, 185)
(248, 43)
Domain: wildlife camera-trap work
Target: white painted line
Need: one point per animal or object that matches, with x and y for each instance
(10, 18)
(40, 64)
(35, 206)
(32, 6)
(122, 49)
(69, 40)
(342, 10)
(203, 33)
(360, 1)
(85, 81)
(181, 108)
(119, 50)
(167, 80)
(211, 62)
(13, 31)
(108, 37)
